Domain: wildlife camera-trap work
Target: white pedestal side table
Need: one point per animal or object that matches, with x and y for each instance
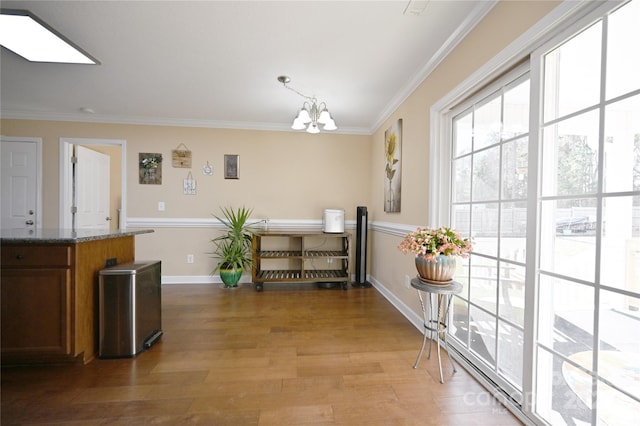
(435, 312)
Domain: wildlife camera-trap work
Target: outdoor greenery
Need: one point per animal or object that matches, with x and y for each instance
(579, 172)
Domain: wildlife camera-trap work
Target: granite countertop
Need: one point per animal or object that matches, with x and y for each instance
(55, 235)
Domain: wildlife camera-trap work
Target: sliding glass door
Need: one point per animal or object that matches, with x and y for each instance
(588, 308)
(490, 151)
(545, 176)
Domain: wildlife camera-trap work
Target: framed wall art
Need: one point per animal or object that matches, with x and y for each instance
(150, 168)
(231, 166)
(393, 167)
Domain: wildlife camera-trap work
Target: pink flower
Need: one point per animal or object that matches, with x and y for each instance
(430, 243)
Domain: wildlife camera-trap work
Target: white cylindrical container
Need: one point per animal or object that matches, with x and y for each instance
(333, 221)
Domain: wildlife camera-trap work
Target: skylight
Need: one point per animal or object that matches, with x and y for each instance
(27, 36)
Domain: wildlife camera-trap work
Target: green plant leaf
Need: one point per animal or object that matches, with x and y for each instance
(233, 248)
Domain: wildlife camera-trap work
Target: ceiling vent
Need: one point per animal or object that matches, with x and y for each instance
(416, 7)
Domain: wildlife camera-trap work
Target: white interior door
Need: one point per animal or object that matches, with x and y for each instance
(20, 184)
(92, 189)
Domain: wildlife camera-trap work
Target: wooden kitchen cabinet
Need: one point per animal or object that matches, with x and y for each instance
(36, 318)
(49, 297)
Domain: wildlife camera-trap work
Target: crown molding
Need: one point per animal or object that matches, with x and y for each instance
(472, 20)
(169, 122)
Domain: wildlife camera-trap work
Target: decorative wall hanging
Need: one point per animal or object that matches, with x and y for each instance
(207, 169)
(181, 157)
(150, 168)
(231, 166)
(189, 185)
(393, 167)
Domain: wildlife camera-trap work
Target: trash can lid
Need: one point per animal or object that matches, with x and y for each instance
(129, 268)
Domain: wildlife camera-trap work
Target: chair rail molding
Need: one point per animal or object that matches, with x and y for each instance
(397, 229)
(196, 222)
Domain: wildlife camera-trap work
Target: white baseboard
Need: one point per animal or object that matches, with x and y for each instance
(199, 279)
(408, 313)
(413, 318)
(417, 321)
(205, 279)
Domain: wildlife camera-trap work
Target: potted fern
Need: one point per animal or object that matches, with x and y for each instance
(233, 248)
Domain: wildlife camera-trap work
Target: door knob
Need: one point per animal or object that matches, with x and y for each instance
(29, 222)
(107, 218)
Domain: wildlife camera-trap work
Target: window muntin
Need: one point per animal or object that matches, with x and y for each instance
(490, 175)
(516, 110)
(622, 145)
(589, 241)
(623, 60)
(515, 169)
(573, 68)
(487, 122)
(620, 245)
(462, 175)
(582, 253)
(567, 237)
(485, 175)
(570, 156)
(463, 133)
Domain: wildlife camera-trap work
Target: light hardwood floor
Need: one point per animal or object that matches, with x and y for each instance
(286, 356)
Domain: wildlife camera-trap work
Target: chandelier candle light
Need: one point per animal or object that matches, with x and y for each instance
(312, 115)
(435, 250)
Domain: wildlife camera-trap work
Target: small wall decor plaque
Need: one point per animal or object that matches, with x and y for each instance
(150, 168)
(231, 166)
(207, 169)
(189, 185)
(181, 158)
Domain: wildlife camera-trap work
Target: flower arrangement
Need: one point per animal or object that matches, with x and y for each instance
(151, 162)
(432, 242)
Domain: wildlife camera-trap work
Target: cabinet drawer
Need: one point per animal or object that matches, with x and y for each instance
(29, 255)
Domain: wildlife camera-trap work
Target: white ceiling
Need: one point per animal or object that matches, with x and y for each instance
(215, 63)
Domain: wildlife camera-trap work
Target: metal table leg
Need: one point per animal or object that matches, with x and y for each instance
(432, 312)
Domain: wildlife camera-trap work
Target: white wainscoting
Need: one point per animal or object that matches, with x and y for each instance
(196, 222)
(395, 229)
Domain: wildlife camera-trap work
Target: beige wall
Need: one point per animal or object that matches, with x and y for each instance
(286, 175)
(507, 21)
(283, 176)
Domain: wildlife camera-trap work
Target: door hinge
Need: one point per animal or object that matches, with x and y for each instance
(74, 209)
(74, 159)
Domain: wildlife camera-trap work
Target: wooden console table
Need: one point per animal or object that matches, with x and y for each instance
(301, 257)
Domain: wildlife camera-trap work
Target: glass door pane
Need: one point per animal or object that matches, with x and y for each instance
(588, 315)
(490, 165)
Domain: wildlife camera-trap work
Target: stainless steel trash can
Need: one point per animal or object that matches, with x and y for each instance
(130, 309)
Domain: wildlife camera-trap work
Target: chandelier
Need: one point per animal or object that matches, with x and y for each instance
(312, 115)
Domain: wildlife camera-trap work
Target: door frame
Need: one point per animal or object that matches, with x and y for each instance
(38, 195)
(66, 177)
